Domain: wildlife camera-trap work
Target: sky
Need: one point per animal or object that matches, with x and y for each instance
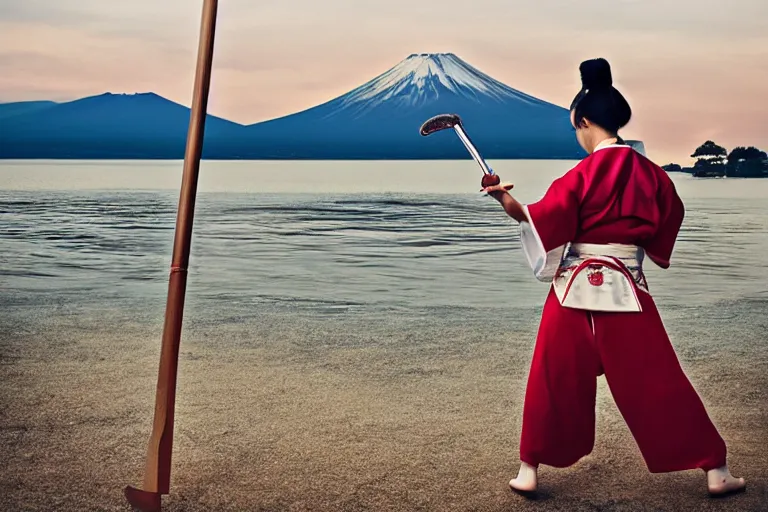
(691, 70)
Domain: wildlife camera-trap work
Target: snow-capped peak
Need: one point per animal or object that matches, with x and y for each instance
(422, 77)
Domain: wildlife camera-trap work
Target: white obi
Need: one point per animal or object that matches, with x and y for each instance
(604, 277)
(601, 278)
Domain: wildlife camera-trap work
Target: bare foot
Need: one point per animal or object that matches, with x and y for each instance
(720, 482)
(526, 481)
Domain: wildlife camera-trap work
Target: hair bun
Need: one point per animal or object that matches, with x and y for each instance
(595, 74)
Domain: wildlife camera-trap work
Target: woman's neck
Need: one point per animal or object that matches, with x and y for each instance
(615, 139)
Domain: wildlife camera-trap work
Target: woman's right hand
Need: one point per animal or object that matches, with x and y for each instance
(490, 180)
(491, 185)
(495, 190)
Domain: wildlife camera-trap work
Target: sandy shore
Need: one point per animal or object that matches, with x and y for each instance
(276, 413)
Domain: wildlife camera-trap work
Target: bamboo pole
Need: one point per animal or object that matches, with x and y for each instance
(157, 473)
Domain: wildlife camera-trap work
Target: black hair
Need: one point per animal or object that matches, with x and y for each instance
(598, 100)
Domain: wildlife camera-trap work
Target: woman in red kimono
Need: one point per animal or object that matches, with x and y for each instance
(588, 236)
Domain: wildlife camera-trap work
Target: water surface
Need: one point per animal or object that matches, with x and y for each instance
(318, 238)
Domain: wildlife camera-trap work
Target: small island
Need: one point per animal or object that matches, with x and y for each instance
(714, 161)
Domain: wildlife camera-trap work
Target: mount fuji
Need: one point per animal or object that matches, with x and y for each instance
(380, 119)
(377, 120)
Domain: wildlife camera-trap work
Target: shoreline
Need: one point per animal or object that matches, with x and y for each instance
(279, 411)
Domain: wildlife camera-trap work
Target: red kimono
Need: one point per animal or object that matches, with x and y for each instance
(588, 235)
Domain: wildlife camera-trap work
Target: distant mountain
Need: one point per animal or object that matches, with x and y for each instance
(107, 126)
(378, 120)
(23, 107)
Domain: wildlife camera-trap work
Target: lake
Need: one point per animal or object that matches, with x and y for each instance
(319, 238)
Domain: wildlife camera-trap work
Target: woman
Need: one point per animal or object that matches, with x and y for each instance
(588, 236)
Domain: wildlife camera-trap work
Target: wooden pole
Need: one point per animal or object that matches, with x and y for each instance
(157, 473)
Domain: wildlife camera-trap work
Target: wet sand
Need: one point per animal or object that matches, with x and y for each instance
(347, 413)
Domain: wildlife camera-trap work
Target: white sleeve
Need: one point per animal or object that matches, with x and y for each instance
(544, 264)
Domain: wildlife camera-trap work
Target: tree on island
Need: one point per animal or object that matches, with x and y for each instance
(711, 160)
(672, 168)
(714, 161)
(747, 162)
(711, 152)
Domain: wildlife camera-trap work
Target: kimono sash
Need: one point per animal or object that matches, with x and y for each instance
(601, 278)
